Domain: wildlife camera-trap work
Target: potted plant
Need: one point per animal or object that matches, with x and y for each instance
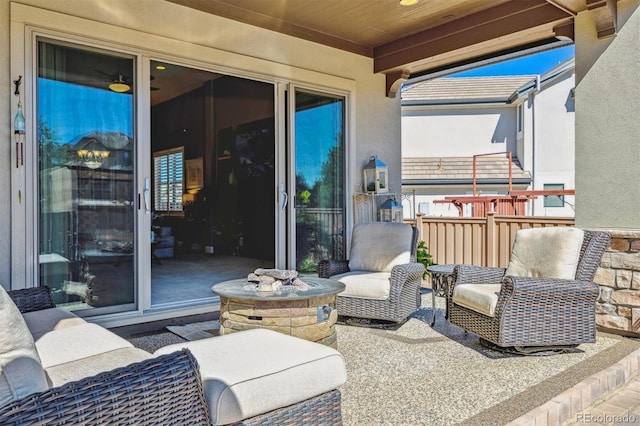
(423, 256)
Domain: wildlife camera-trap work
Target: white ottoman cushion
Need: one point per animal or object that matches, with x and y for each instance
(256, 371)
(365, 285)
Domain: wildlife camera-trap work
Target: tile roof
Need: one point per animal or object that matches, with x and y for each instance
(460, 169)
(469, 89)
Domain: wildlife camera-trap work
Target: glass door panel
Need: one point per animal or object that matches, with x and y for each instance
(319, 180)
(214, 199)
(86, 146)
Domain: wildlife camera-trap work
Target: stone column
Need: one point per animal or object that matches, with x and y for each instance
(618, 307)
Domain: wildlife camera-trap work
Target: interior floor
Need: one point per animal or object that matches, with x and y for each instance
(190, 276)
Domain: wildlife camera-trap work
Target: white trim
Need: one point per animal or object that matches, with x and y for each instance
(22, 250)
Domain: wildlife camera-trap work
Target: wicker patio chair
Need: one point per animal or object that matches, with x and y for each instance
(381, 276)
(533, 314)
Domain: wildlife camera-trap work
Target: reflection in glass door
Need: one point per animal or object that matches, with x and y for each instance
(85, 181)
(320, 177)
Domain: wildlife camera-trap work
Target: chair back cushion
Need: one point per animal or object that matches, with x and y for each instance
(380, 246)
(551, 252)
(21, 372)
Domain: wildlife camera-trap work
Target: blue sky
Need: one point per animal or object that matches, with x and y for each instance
(92, 110)
(532, 64)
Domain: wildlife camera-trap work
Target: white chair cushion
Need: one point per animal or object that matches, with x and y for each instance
(90, 366)
(380, 246)
(365, 285)
(481, 298)
(256, 371)
(45, 320)
(21, 372)
(73, 343)
(551, 252)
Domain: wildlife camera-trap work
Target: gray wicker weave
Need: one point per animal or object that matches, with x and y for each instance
(32, 299)
(534, 314)
(160, 391)
(404, 296)
(321, 410)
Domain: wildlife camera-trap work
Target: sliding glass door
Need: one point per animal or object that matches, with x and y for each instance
(126, 226)
(86, 148)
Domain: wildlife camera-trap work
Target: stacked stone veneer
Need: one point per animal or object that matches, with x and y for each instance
(618, 307)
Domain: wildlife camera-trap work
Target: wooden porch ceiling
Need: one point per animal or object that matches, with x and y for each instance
(408, 41)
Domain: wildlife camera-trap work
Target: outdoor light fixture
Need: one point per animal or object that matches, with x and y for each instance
(119, 85)
(92, 156)
(375, 176)
(390, 211)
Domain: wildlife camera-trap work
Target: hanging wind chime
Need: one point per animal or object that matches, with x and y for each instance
(19, 126)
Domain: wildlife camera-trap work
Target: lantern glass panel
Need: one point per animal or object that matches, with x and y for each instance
(382, 181)
(370, 180)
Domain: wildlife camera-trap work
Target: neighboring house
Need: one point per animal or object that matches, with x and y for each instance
(447, 121)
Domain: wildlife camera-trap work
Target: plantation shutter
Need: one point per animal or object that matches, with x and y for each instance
(167, 180)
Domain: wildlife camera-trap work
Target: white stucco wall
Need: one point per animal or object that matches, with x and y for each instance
(376, 118)
(457, 132)
(555, 143)
(607, 125)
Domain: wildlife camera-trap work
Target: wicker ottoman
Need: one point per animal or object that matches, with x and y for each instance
(260, 375)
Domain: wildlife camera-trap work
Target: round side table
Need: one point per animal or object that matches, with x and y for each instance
(441, 276)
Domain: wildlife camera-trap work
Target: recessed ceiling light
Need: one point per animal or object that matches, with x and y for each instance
(408, 2)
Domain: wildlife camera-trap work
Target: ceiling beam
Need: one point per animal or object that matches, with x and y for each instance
(605, 16)
(395, 81)
(490, 24)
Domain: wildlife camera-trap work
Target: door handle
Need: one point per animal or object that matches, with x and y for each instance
(147, 196)
(284, 197)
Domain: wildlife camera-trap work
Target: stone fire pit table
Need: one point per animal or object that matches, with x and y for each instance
(309, 314)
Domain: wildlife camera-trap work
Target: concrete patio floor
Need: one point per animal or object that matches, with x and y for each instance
(417, 375)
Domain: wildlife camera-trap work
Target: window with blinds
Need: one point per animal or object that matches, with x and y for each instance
(168, 180)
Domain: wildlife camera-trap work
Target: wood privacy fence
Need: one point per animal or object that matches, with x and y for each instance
(482, 241)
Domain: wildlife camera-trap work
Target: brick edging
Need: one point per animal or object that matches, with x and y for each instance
(571, 402)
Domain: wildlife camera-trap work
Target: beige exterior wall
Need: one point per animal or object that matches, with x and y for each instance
(187, 33)
(607, 158)
(607, 125)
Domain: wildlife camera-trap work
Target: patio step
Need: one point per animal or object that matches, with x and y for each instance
(611, 396)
